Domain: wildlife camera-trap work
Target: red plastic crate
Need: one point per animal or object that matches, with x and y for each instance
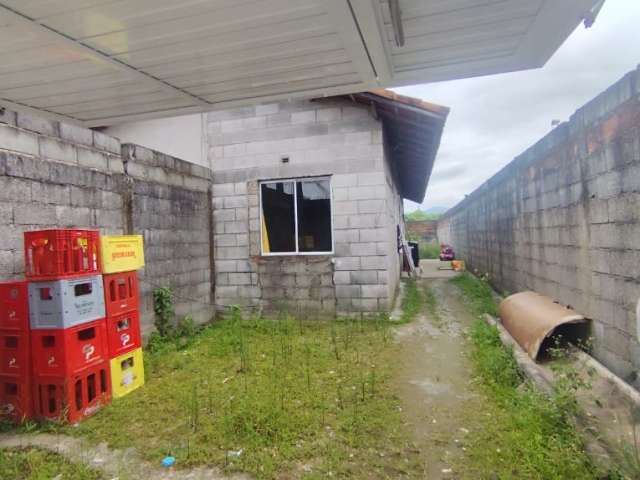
(50, 254)
(121, 293)
(74, 397)
(123, 332)
(15, 399)
(70, 350)
(14, 306)
(15, 354)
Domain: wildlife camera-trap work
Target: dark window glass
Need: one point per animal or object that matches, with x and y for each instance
(278, 227)
(314, 216)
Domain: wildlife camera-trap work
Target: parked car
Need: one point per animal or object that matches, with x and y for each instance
(446, 253)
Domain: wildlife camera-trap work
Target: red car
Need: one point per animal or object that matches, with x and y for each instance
(446, 253)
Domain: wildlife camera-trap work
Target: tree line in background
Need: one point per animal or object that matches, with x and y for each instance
(421, 216)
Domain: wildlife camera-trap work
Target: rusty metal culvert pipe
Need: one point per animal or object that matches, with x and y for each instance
(532, 318)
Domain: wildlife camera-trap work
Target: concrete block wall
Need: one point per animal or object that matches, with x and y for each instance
(56, 175)
(171, 207)
(317, 138)
(564, 219)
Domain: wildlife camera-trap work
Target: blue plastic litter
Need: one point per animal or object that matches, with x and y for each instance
(168, 461)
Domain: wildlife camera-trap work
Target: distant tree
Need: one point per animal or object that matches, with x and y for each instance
(421, 216)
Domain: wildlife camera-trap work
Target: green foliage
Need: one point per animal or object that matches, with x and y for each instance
(429, 251)
(523, 433)
(421, 216)
(36, 464)
(478, 294)
(288, 393)
(163, 308)
(167, 333)
(413, 301)
(431, 303)
(185, 332)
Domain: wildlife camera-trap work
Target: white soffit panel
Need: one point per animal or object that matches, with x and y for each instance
(100, 62)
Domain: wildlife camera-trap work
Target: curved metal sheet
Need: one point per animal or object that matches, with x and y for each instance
(530, 318)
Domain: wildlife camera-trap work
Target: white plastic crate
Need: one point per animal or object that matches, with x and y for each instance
(66, 303)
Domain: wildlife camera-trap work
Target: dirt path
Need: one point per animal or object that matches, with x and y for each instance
(116, 464)
(434, 382)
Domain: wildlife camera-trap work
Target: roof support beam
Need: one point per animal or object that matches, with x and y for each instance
(21, 107)
(369, 18)
(344, 18)
(69, 42)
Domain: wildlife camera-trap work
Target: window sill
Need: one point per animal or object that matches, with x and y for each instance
(281, 256)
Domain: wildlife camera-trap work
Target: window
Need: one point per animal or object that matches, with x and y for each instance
(296, 216)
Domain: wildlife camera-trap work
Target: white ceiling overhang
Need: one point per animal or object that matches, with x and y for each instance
(100, 62)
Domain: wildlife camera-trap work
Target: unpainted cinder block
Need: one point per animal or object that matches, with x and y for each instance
(18, 140)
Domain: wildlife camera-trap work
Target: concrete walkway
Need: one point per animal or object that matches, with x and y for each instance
(436, 269)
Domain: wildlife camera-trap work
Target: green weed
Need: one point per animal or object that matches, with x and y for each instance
(521, 432)
(36, 464)
(413, 301)
(431, 304)
(296, 399)
(477, 293)
(429, 250)
(164, 310)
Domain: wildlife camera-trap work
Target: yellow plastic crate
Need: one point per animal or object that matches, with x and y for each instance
(127, 373)
(121, 253)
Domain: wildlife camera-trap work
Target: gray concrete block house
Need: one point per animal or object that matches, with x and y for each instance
(307, 198)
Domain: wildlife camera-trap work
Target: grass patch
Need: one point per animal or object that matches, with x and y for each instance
(431, 303)
(521, 433)
(429, 250)
(275, 398)
(36, 464)
(477, 293)
(413, 301)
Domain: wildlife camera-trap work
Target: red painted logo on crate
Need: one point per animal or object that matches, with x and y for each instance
(125, 338)
(12, 314)
(88, 351)
(13, 363)
(127, 254)
(52, 361)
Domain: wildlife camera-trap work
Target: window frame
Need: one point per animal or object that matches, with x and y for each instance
(295, 214)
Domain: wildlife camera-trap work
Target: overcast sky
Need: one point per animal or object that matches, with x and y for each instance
(495, 118)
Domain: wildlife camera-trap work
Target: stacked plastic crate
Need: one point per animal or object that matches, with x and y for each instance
(121, 257)
(15, 356)
(69, 350)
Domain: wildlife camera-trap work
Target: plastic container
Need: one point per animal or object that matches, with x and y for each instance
(415, 253)
(50, 254)
(15, 354)
(122, 253)
(123, 333)
(121, 293)
(68, 351)
(66, 303)
(127, 373)
(74, 397)
(14, 306)
(15, 399)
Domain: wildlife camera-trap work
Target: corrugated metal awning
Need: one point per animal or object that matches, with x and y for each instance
(100, 62)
